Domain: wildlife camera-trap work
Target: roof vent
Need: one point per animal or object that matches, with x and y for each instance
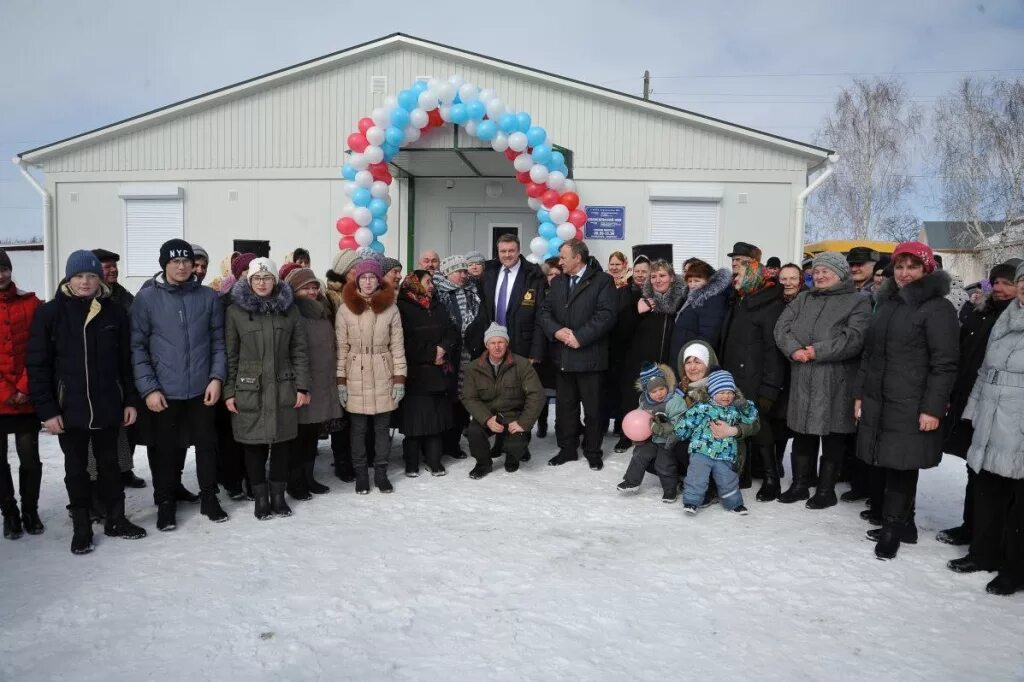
(378, 85)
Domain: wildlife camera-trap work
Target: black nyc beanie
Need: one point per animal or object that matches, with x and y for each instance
(175, 248)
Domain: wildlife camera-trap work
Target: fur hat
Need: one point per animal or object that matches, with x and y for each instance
(367, 266)
(299, 277)
(474, 257)
(773, 262)
(453, 264)
(262, 266)
(175, 248)
(1002, 271)
(495, 331)
(240, 264)
(82, 261)
(652, 377)
(719, 381)
(344, 261)
(834, 261)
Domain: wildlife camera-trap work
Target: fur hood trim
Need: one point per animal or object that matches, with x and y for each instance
(670, 379)
(719, 282)
(933, 285)
(313, 310)
(381, 300)
(243, 296)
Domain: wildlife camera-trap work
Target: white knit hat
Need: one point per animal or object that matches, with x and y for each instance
(699, 351)
(262, 266)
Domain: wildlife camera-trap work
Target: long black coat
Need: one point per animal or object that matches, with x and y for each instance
(651, 340)
(424, 330)
(589, 311)
(748, 347)
(976, 327)
(79, 361)
(526, 338)
(908, 368)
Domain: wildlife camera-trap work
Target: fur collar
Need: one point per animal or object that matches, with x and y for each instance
(669, 302)
(670, 381)
(381, 300)
(242, 295)
(933, 285)
(312, 310)
(987, 305)
(719, 282)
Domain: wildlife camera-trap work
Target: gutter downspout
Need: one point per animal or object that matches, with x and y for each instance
(47, 210)
(801, 204)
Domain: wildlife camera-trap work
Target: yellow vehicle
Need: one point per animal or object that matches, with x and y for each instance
(843, 246)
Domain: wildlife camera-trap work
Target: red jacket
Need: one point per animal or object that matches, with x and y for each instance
(16, 310)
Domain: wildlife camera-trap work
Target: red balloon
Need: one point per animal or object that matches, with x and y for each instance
(570, 200)
(578, 217)
(380, 171)
(357, 142)
(434, 118)
(535, 190)
(348, 243)
(523, 177)
(365, 124)
(579, 233)
(346, 226)
(511, 154)
(549, 198)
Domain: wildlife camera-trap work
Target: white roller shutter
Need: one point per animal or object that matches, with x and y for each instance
(691, 227)
(148, 223)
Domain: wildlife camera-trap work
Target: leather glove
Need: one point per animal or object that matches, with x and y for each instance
(397, 392)
(343, 394)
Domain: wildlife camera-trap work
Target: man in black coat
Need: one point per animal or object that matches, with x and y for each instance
(578, 315)
(976, 326)
(512, 294)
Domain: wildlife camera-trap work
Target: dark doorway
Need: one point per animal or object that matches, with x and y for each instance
(261, 247)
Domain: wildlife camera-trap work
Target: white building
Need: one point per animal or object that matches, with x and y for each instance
(260, 160)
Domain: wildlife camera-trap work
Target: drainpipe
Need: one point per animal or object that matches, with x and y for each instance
(801, 204)
(47, 241)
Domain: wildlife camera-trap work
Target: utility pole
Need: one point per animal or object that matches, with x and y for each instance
(647, 84)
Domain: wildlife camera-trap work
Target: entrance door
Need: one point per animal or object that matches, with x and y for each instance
(478, 230)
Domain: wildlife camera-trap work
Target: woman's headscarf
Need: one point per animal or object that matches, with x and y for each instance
(752, 278)
(412, 288)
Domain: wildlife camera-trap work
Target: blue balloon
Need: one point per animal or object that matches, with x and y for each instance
(487, 130)
(361, 197)
(390, 150)
(541, 153)
(394, 136)
(555, 243)
(557, 159)
(457, 100)
(378, 208)
(420, 86)
(476, 110)
(563, 169)
(543, 216)
(400, 118)
(377, 225)
(377, 246)
(523, 121)
(348, 172)
(507, 123)
(535, 136)
(408, 99)
(458, 114)
(548, 231)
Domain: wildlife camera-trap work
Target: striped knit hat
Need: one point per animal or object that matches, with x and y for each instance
(719, 381)
(652, 377)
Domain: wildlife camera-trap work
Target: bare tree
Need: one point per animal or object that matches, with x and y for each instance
(872, 126)
(979, 151)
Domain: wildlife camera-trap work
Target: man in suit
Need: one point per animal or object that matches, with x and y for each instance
(512, 293)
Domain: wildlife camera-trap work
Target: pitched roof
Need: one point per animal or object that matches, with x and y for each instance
(812, 152)
(956, 235)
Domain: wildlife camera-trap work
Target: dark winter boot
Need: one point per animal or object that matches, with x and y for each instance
(380, 479)
(825, 493)
(312, 484)
(29, 482)
(97, 512)
(32, 523)
(961, 535)
(261, 497)
(965, 564)
(888, 541)
(623, 444)
(130, 480)
(81, 540)
(117, 526)
(12, 518)
(362, 481)
(1004, 585)
(869, 515)
(770, 486)
(210, 507)
(798, 489)
(277, 502)
(907, 533)
(183, 494)
(297, 487)
(482, 468)
(166, 516)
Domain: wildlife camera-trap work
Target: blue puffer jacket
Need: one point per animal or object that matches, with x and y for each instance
(177, 339)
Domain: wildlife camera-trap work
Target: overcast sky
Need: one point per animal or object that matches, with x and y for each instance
(67, 66)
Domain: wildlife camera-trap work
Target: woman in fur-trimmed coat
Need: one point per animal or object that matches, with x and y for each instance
(702, 313)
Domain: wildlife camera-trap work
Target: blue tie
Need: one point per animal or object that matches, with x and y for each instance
(502, 304)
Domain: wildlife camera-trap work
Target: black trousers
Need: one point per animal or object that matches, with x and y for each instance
(307, 445)
(900, 494)
(360, 424)
(663, 459)
(256, 457)
(972, 480)
(573, 388)
(998, 540)
(427, 448)
(30, 471)
(451, 440)
(75, 445)
(833, 447)
(230, 453)
(165, 457)
(479, 436)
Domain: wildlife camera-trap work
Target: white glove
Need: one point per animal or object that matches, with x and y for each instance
(342, 394)
(397, 392)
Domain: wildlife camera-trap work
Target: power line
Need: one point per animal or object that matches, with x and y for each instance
(806, 74)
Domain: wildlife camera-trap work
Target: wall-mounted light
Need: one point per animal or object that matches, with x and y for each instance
(494, 190)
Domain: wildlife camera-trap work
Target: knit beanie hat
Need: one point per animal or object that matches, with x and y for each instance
(834, 261)
(344, 261)
(82, 261)
(299, 277)
(387, 264)
(199, 252)
(474, 257)
(240, 263)
(495, 331)
(453, 264)
(262, 266)
(5, 261)
(918, 250)
(1002, 271)
(1019, 273)
(175, 248)
(366, 253)
(651, 377)
(719, 381)
(699, 351)
(365, 266)
(285, 269)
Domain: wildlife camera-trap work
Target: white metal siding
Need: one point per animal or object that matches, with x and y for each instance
(691, 227)
(148, 223)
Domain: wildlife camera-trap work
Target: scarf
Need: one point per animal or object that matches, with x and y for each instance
(462, 302)
(667, 303)
(753, 279)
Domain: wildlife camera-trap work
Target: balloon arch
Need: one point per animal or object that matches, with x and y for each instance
(425, 105)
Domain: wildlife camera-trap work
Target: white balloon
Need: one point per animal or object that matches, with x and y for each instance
(418, 118)
(446, 113)
(535, 204)
(433, 83)
(559, 214)
(523, 163)
(446, 93)
(468, 93)
(566, 230)
(568, 186)
(500, 142)
(350, 208)
(390, 102)
(362, 216)
(539, 246)
(487, 94)
(533, 258)
(495, 108)
(387, 198)
(358, 161)
(364, 236)
(364, 179)
(375, 136)
(518, 141)
(539, 173)
(555, 179)
(350, 186)
(427, 100)
(379, 189)
(381, 118)
(456, 82)
(412, 133)
(471, 127)
(374, 154)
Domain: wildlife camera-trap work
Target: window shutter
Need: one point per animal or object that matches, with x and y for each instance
(148, 224)
(691, 227)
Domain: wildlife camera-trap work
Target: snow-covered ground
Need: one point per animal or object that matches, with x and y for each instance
(547, 574)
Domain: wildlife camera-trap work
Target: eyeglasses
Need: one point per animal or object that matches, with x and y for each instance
(262, 279)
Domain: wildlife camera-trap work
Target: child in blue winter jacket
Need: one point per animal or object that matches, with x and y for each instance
(710, 456)
(666, 404)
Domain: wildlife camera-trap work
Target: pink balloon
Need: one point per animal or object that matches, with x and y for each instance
(347, 242)
(637, 425)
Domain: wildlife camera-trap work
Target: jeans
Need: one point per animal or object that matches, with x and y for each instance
(29, 473)
(75, 445)
(256, 462)
(701, 469)
(165, 456)
(575, 388)
(664, 460)
(382, 443)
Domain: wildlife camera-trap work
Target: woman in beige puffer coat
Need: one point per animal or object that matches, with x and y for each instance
(371, 366)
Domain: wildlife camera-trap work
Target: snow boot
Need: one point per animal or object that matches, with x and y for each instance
(362, 481)
(959, 536)
(277, 501)
(1004, 585)
(907, 533)
(739, 511)
(480, 470)
(770, 486)
(511, 466)
(669, 495)
(853, 495)
(117, 526)
(889, 538)
(690, 509)
(380, 479)
(81, 540)
(32, 523)
(297, 488)
(628, 487)
(261, 497)
(166, 516)
(210, 507)
(798, 489)
(825, 493)
(183, 494)
(12, 518)
(314, 486)
(596, 463)
(966, 564)
(130, 480)
(623, 444)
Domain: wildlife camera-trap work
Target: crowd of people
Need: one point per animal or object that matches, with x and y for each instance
(872, 366)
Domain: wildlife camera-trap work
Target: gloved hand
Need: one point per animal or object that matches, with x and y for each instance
(342, 394)
(397, 392)
(661, 429)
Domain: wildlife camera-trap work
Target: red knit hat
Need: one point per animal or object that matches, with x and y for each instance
(918, 250)
(285, 269)
(240, 263)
